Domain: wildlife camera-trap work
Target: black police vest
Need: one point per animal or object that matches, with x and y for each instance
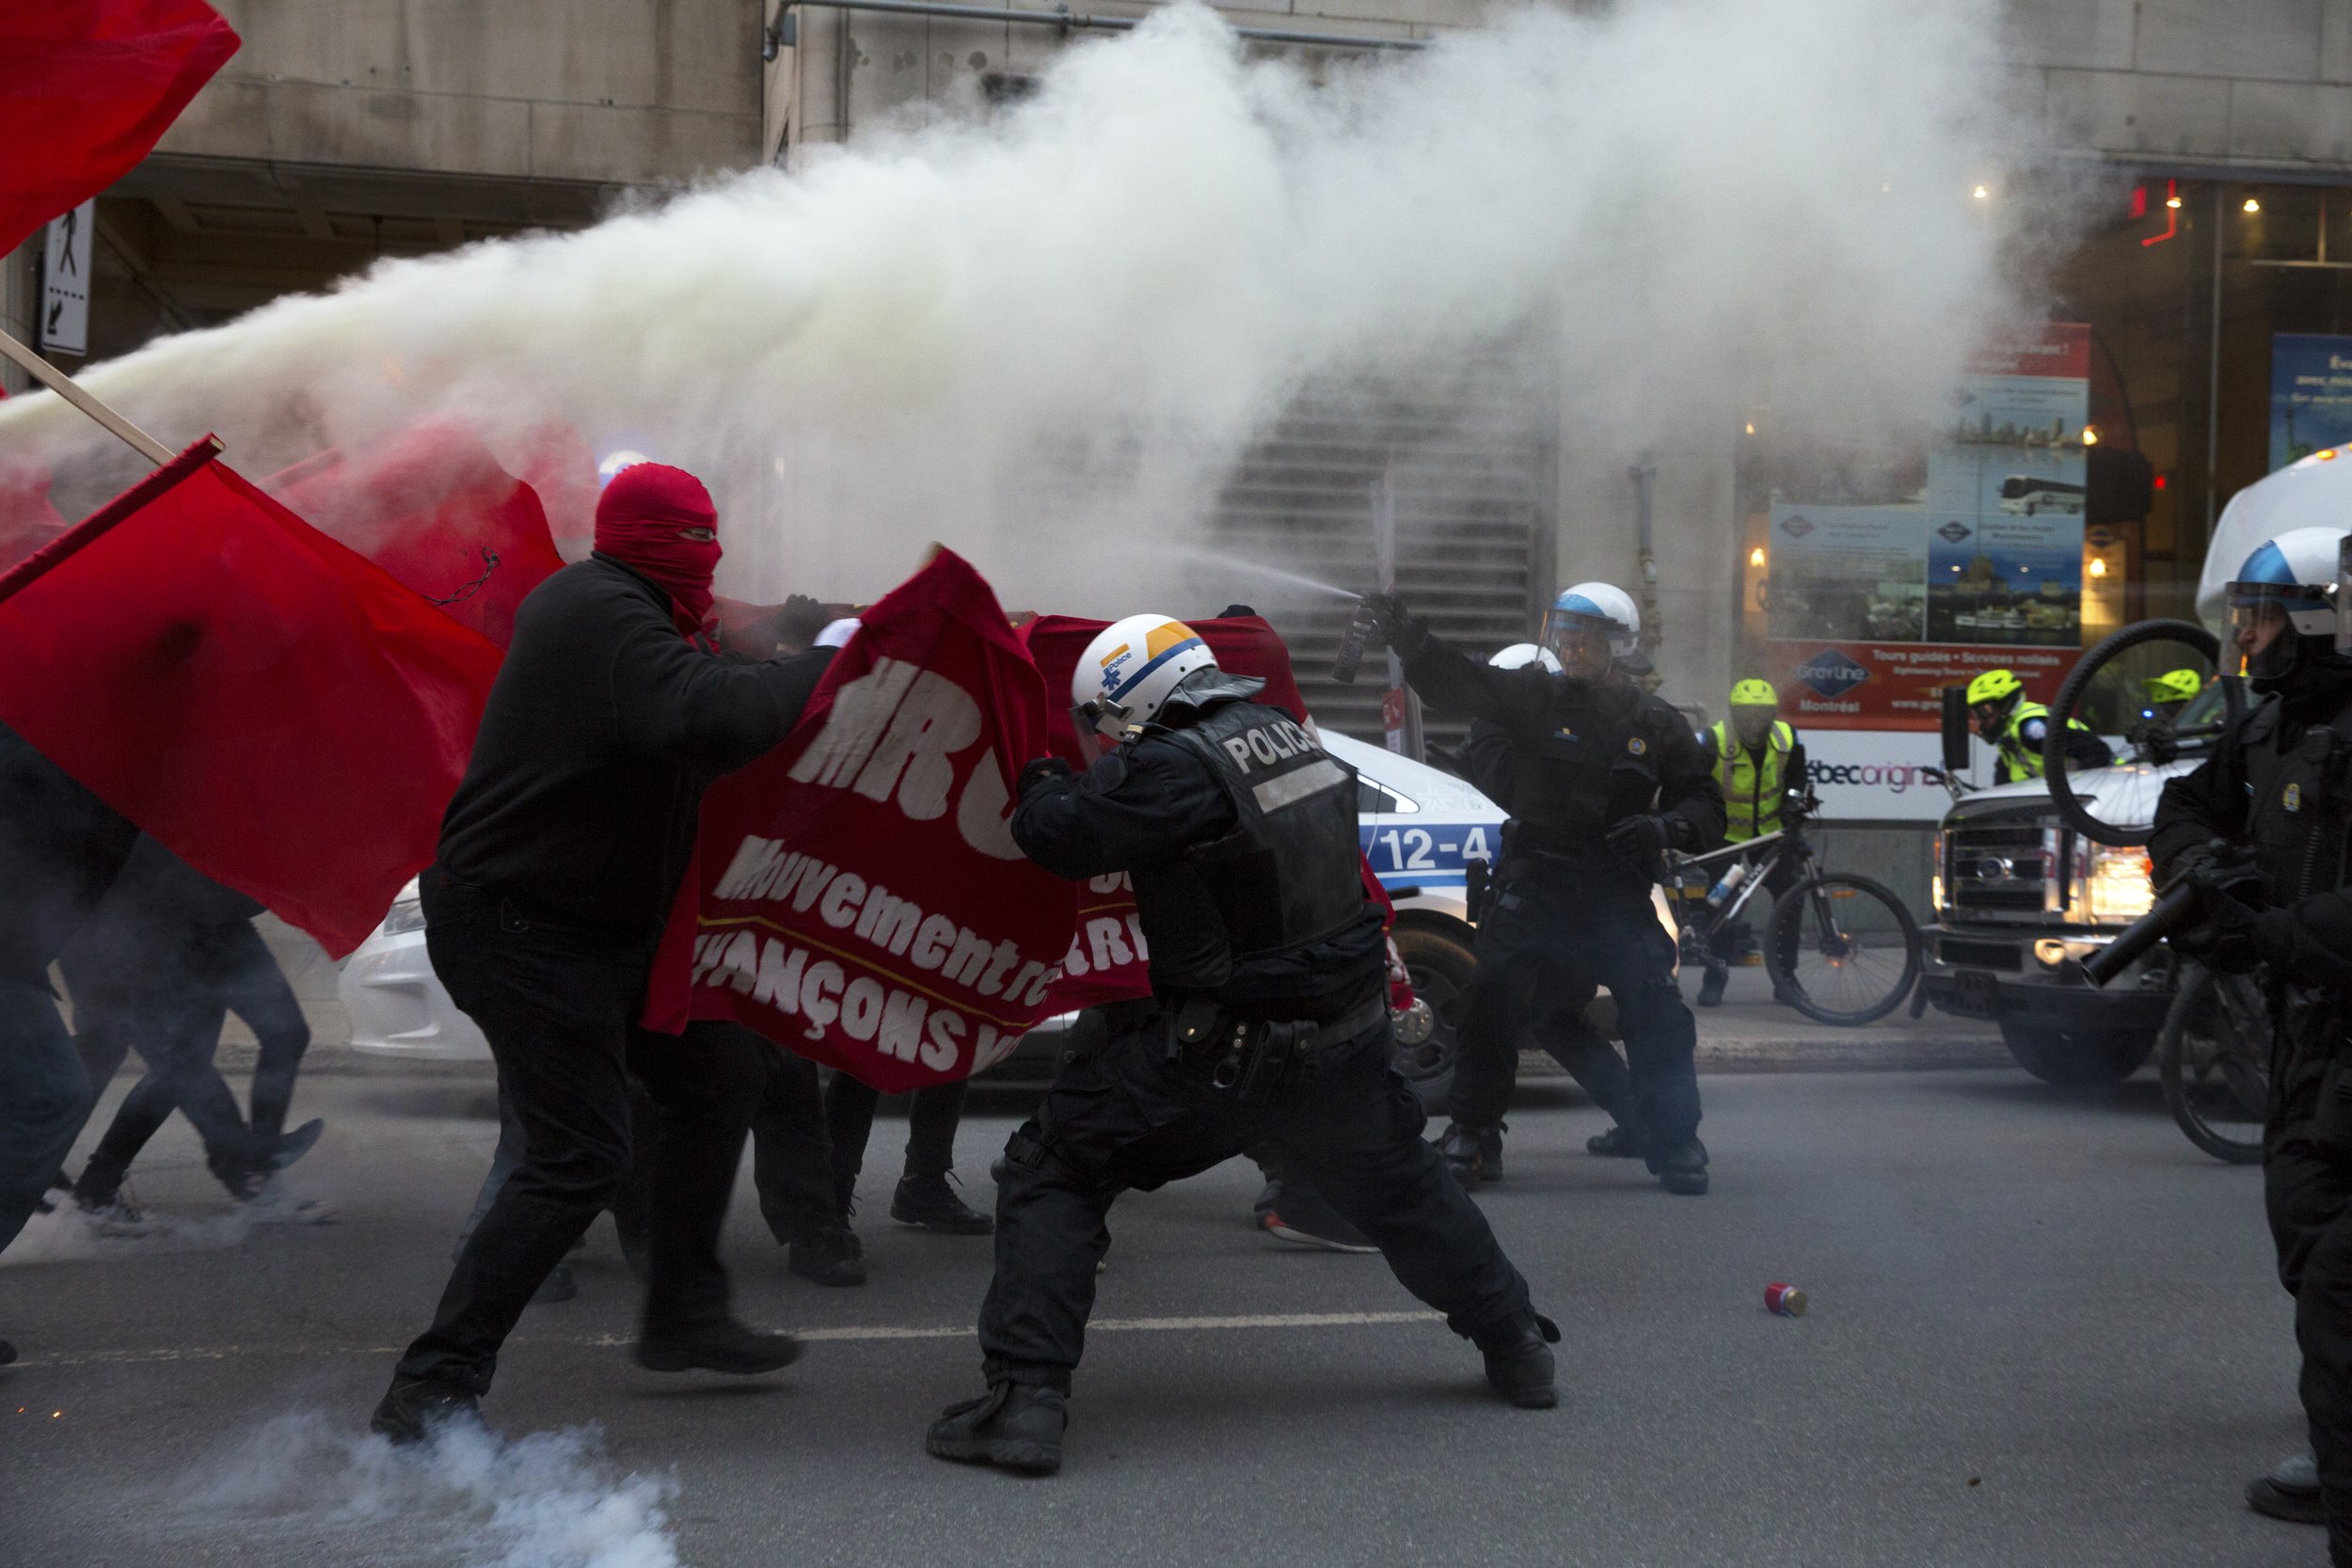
(1595, 770)
(2297, 801)
(1288, 875)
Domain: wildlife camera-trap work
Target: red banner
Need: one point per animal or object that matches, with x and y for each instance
(283, 714)
(1108, 960)
(86, 88)
(861, 899)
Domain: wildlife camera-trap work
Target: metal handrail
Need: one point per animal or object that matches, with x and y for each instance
(778, 33)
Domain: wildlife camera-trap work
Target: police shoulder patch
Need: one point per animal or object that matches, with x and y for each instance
(1637, 745)
(2293, 798)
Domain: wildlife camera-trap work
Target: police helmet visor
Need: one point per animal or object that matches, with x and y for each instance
(1581, 643)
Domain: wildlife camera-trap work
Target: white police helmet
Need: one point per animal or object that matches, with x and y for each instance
(1594, 607)
(1128, 671)
(1519, 654)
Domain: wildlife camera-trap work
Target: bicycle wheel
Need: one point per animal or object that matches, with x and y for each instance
(1843, 949)
(2217, 1079)
(2107, 692)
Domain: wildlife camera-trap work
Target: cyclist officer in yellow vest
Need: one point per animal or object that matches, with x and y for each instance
(1996, 699)
(1758, 760)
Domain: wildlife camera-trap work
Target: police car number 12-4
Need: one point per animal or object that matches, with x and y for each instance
(1413, 848)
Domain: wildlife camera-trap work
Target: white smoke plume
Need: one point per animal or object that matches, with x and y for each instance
(547, 1500)
(1040, 332)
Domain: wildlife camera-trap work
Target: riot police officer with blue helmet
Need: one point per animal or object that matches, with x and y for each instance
(2259, 833)
(1607, 779)
(1269, 1024)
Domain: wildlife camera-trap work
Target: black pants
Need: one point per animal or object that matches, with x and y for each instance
(1127, 1117)
(1563, 1031)
(558, 1006)
(1551, 934)
(808, 1146)
(2307, 1194)
(174, 1019)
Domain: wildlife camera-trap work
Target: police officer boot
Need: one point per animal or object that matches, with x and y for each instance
(1016, 1425)
(929, 1203)
(1471, 1152)
(1682, 1167)
(725, 1346)
(1711, 989)
(1518, 1359)
(413, 1408)
(2290, 1491)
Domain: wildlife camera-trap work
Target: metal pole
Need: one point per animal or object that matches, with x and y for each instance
(1645, 489)
(1400, 704)
(1068, 20)
(2213, 380)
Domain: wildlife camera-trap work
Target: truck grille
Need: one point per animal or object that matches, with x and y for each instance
(2001, 871)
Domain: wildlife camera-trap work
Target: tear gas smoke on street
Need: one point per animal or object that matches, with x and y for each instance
(1044, 332)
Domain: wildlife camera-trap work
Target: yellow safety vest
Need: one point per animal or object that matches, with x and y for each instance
(1753, 792)
(2019, 761)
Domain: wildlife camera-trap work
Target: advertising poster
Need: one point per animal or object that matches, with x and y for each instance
(2310, 394)
(1877, 602)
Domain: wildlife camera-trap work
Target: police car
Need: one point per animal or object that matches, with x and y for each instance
(1420, 827)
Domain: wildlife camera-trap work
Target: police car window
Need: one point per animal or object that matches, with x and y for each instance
(1371, 799)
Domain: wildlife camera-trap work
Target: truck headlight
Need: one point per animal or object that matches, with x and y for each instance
(1936, 874)
(2119, 885)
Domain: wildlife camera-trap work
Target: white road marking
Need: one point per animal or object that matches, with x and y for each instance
(1245, 1321)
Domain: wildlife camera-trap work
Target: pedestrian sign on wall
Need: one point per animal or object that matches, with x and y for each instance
(64, 282)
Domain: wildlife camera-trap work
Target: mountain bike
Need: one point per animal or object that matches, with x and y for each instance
(1840, 948)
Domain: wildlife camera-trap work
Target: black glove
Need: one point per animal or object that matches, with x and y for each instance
(1388, 624)
(1038, 769)
(2227, 889)
(1639, 840)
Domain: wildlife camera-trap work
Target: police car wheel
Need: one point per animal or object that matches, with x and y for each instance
(1440, 965)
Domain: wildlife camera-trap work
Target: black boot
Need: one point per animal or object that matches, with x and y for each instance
(7, 1353)
(413, 1408)
(2289, 1492)
(725, 1346)
(1016, 1425)
(1682, 1167)
(1518, 1360)
(1621, 1142)
(560, 1285)
(287, 1148)
(1711, 989)
(1472, 1153)
(829, 1257)
(930, 1203)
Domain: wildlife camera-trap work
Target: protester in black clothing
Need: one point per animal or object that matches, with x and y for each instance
(1608, 780)
(2259, 833)
(169, 954)
(61, 847)
(560, 857)
(1270, 1024)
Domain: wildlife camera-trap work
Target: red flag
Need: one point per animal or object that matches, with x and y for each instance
(86, 88)
(27, 521)
(281, 713)
(861, 899)
(1108, 960)
(434, 508)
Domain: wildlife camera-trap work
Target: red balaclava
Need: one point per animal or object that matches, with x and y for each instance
(641, 519)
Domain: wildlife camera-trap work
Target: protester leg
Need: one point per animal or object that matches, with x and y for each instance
(791, 1155)
(44, 1099)
(180, 1036)
(849, 1108)
(933, 1113)
(1494, 1015)
(505, 1159)
(558, 1008)
(256, 989)
(705, 1084)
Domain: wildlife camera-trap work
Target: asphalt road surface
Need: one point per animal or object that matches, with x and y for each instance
(2044, 1330)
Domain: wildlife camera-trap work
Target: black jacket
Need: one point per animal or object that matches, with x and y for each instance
(602, 730)
(1147, 804)
(60, 847)
(1586, 753)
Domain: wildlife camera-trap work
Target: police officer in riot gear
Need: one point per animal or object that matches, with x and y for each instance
(1609, 779)
(2259, 832)
(1759, 761)
(1996, 699)
(1268, 1024)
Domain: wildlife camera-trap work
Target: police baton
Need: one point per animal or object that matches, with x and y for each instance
(2167, 915)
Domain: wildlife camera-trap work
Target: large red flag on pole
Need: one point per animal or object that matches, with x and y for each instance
(87, 87)
(281, 713)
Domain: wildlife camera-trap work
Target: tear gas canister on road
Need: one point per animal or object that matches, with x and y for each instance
(1786, 1300)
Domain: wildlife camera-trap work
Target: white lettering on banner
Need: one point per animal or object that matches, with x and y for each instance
(891, 734)
(1099, 945)
(896, 1023)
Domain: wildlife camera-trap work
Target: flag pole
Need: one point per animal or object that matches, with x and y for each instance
(67, 387)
